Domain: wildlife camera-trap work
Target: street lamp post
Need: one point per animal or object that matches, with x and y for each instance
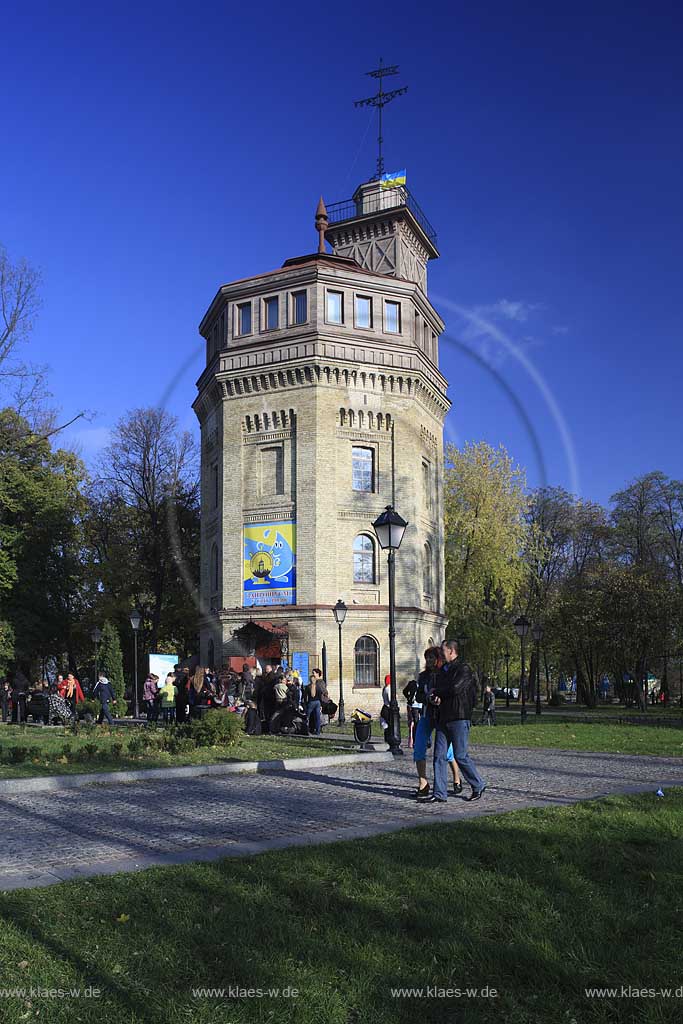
(390, 528)
(340, 610)
(507, 676)
(96, 636)
(522, 626)
(135, 620)
(537, 634)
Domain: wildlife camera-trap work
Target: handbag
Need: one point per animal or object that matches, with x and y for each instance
(329, 708)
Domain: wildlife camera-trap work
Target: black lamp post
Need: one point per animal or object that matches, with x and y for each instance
(537, 634)
(340, 610)
(522, 627)
(389, 528)
(506, 655)
(135, 620)
(96, 636)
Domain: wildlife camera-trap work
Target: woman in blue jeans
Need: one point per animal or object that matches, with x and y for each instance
(425, 727)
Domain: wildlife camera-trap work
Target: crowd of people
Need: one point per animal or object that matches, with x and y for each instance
(272, 699)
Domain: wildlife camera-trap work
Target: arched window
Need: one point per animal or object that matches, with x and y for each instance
(214, 568)
(427, 569)
(366, 661)
(210, 655)
(342, 417)
(364, 559)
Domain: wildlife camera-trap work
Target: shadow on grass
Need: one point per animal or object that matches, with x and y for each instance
(538, 904)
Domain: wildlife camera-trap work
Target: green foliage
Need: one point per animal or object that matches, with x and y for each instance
(485, 506)
(110, 658)
(216, 729)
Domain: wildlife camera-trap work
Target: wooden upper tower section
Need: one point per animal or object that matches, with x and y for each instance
(384, 231)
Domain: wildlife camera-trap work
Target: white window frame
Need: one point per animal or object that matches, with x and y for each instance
(392, 302)
(365, 298)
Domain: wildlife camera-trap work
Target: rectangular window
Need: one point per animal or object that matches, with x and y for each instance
(363, 469)
(300, 307)
(272, 471)
(335, 308)
(392, 317)
(427, 485)
(214, 473)
(244, 318)
(418, 338)
(272, 313)
(363, 311)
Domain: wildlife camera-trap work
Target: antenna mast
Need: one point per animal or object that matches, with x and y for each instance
(380, 101)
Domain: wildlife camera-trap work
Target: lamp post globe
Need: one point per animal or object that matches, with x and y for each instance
(389, 528)
(522, 627)
(537, 634)
(340, 611)
(135, 621)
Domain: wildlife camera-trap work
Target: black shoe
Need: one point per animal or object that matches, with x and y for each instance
(423, 793)
(477, 794)
(457, 788)
(435, 800)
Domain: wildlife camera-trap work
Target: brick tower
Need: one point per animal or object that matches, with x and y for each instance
(310, 369)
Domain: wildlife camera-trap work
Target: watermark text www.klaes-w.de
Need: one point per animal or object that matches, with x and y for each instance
(242, 992)
(633, 992)
(37, 992)
(444, 992)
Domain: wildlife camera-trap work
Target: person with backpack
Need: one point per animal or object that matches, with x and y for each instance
(489, 716)
(104, 692)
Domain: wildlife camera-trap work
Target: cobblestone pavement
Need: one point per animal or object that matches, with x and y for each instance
(124, 827)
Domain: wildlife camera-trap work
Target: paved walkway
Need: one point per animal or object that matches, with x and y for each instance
(125, 827)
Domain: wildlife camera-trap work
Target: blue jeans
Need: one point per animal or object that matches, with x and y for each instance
(313, 709)
(106, 713)
(458, 734)
(423, 740)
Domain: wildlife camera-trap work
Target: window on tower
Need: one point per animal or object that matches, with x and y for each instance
(299, 307)
(335, 308)
(392, 317)
(363, 469)
(244, 318)
(272, 313)
(363, 559)
(363, 311)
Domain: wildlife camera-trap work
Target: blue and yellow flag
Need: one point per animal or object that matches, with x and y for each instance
(393, 179)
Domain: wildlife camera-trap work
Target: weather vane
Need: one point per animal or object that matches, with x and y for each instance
(380, 101)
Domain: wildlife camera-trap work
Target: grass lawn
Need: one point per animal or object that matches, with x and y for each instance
(538, 905)
(613, 739)
(47, 748)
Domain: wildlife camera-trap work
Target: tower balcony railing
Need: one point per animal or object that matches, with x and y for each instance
(371, 199)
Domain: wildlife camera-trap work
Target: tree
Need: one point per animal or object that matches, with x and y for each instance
(143, 528)
(485, 533)
(19, 305)
(40, 545)
(111, 659)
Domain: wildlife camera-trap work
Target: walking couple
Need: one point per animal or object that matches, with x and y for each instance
(447, 692)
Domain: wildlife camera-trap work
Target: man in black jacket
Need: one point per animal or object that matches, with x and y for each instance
(455, 695)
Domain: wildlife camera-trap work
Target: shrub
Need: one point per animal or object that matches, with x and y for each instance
(136, 746)
(88, 707)
(116, 750)
(67, 750)
(119, 708)
(216, 729)
(88, 752)
(181, 745)
(18, 754)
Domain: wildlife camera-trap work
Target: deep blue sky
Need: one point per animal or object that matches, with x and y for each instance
(152, 152)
